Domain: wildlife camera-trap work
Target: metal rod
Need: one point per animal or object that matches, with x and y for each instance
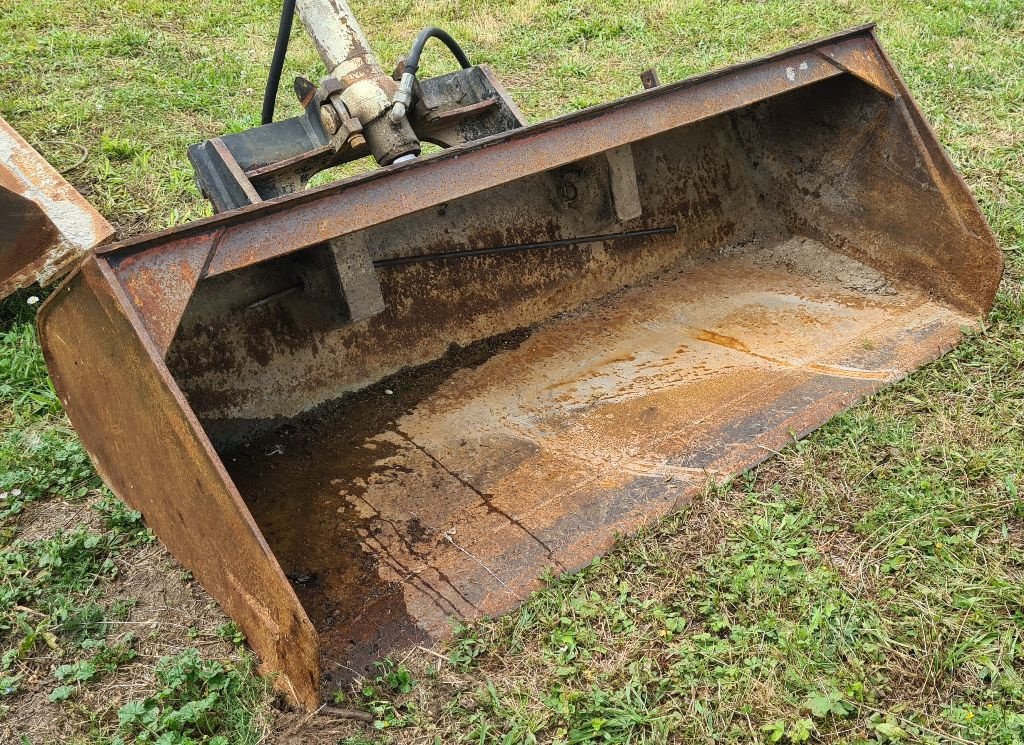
(669, 229)
(277, 294)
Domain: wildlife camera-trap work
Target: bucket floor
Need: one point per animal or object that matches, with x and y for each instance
(445, 491)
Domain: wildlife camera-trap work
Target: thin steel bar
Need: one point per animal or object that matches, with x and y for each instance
(400, 260)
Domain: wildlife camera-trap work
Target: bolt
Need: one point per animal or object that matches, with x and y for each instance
(356, 141)
(569, 191)
(329, 119)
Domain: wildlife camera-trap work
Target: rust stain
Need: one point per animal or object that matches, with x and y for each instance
(731, 342)
(724, 341)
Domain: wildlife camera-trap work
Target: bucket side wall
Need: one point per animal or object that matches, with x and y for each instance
(153, 454)
(847, 165)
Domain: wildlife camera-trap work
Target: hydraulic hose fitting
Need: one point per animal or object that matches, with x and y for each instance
(403, 97)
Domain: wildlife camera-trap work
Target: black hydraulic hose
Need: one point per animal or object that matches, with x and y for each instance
(284, 30)
(412, 62)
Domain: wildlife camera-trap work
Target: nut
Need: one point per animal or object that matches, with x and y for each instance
(329, 86)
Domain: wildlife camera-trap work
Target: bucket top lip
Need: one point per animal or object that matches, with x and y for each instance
(215, 223)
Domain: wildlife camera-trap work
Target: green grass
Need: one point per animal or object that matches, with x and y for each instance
(864, 586)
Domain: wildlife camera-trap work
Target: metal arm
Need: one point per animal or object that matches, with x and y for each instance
(340, 40)
(366, 92)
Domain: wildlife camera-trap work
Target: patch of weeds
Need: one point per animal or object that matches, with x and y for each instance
(197, 701)
(397, 677)
(119, 148)
(384, 696)
(386, 713)
(121, 608)
(38, 461)
(9, 685)
(53, 575)
(465, 647)
(993, 723)
(230, 632)
(49, 609)
(20, 306)
(81, 671)
(86, 621)
(799, 730)
(105, 659)
(121, 520)
(24, 384)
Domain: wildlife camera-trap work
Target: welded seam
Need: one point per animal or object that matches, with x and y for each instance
(828, 57)
(211, 254)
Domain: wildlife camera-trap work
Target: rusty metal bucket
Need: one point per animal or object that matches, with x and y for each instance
(582, 322)
(46, 227)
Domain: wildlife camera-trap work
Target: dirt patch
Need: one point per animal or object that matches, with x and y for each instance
(44, 519)
(324, 727)
(807, 257)
(165, 614)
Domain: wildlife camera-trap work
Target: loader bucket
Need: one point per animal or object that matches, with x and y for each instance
(46, 227)
(361, 411)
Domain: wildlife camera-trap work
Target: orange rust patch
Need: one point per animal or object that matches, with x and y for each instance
(722, 340)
